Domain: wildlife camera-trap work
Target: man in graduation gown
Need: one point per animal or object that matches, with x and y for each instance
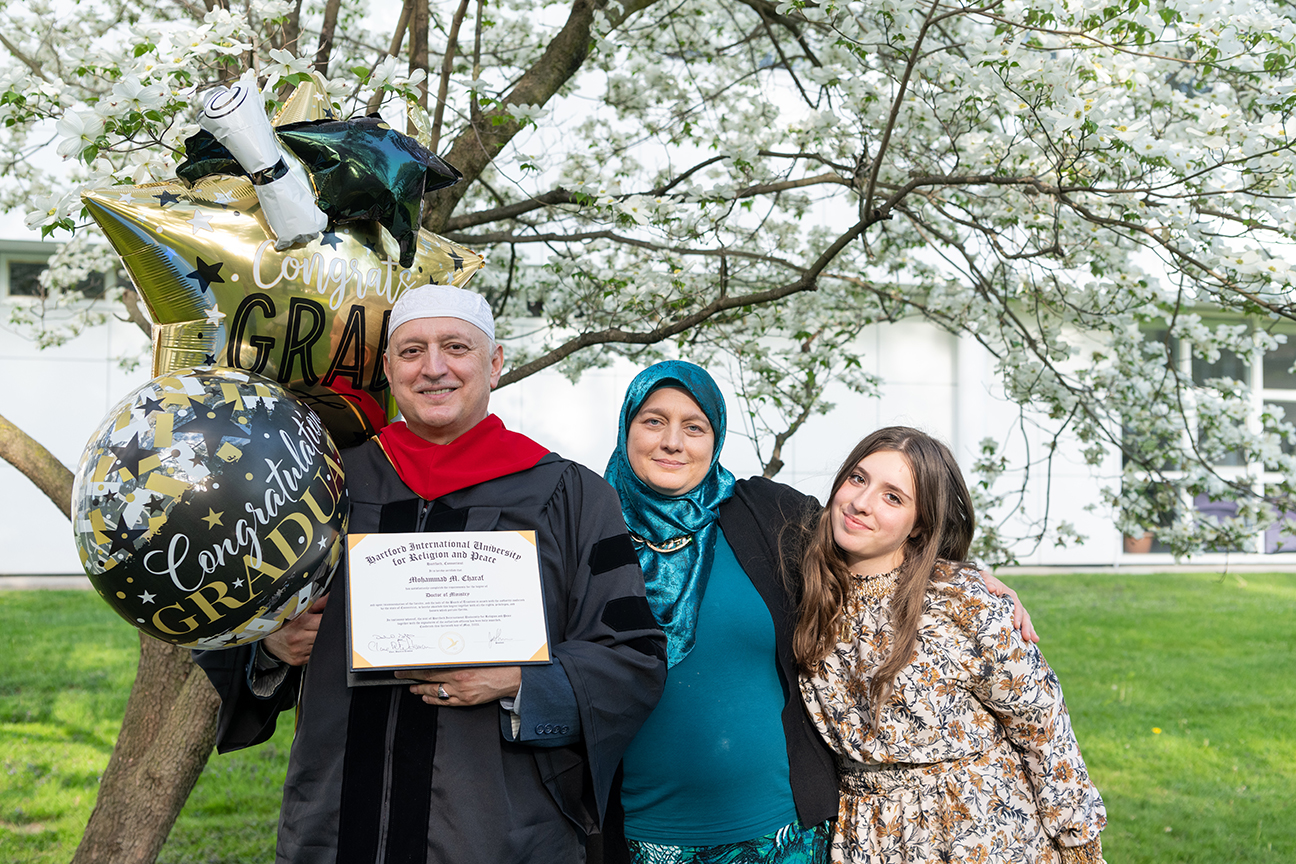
(493, 764)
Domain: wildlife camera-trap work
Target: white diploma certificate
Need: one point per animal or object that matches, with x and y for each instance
(468, 598)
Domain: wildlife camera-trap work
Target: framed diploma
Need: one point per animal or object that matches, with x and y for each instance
(469, 598)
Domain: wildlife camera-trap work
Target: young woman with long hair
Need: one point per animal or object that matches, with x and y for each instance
(953, 742)
(728, 768)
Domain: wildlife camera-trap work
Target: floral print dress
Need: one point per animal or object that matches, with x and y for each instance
(973, 758)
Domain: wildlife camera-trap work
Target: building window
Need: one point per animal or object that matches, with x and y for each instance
(93, 286)
(24, 278)
(23, 261)
(1270, 384)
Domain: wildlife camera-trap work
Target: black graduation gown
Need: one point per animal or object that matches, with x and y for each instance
(377, 775)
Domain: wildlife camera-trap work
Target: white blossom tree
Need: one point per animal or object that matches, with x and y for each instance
(1078, 185)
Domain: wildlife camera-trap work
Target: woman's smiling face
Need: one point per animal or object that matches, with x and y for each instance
(670, 441)
(874, 512)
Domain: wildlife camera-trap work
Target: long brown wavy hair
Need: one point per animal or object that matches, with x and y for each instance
(944, 523)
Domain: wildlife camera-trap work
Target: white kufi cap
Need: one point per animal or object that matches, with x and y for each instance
(442, 301)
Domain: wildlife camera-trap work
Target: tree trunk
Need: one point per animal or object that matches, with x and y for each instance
(166, 736)
(135, 313)
(169, 727)
(327, 29)
(420, 17)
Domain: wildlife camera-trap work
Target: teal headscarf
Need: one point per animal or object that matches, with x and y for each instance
(675, 580)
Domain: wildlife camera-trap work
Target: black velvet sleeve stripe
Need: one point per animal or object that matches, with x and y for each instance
(629, 613)
(362, 775)
(653, 647)
(401, 516)
(443, 518)
(369, 827)
(411, 789)
(611, 553)
(398, 516)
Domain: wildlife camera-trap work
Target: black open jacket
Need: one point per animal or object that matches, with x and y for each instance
(754, 522)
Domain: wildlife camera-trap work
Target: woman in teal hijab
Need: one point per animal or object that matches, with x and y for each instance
(675, 576)
(727, 768)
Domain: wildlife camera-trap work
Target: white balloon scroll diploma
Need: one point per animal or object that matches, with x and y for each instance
(236, 117)
(469, 598)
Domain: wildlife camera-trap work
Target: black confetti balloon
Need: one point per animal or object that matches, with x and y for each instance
(209, 508)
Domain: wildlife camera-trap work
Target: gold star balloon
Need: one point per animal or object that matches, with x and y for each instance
(312, 318)
(209, 508)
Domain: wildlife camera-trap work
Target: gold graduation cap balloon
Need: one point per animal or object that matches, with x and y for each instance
(309, 101)
(312, 317)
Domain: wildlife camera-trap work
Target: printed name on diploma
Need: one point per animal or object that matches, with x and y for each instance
(463, 599)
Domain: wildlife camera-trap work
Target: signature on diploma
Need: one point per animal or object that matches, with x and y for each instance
(400, 643)
(498, 637)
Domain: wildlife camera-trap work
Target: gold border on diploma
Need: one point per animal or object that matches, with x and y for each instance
(467, 598)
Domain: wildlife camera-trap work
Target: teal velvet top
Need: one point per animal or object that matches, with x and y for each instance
(710, 765)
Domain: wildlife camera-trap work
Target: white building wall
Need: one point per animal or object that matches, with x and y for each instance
(57, 396)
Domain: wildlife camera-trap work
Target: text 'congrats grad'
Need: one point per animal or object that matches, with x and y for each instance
(490, 764)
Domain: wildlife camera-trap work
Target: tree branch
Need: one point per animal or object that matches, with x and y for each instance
(774, 464)
(867, 200)
(493, 130)
(398, 37)
(291, 29)
(508, 211)
(26, 61)
(135, 314)
(518, 239)
(769, 14)
(562, 196)
(447, 65)
(37, 464)
(615, 335)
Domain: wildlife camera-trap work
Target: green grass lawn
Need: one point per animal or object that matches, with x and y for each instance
(66, 666)
(1182, 689)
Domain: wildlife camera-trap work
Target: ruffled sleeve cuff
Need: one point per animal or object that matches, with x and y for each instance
(1089, 853)
(265, 673)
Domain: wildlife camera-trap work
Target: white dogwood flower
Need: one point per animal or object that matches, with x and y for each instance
(78, 129)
